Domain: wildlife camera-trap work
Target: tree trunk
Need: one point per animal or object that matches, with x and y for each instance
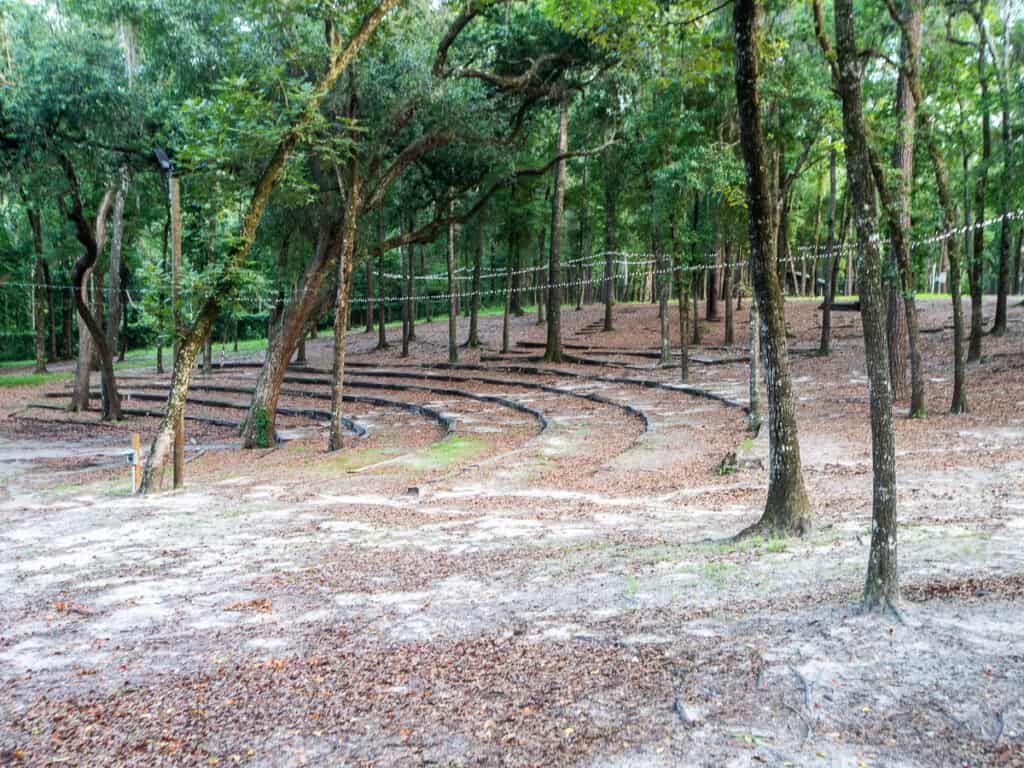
(517, 278)
(663, 277)
(341, 57)
(727, 293)
(694, 280)
(610, 195)
(683, 303)
(1003, 285)
(754, 370)
(116, 242)
(92, 236)
(473, 341)
(881, 588)
(51, 306)
(787, 509)
(711, 304)
(404, 282)
(408, 307)
(553, 350)
(1016, 262)
(343, 289)
(453, 311)
(382, 336)
(977, 265)
(783, 255)
(412, 281)
(953, 279)
(369, 295)
(122, 341)
(541, 277)
(825, 347)
(513, 245)
(259, 428)
(39, 290)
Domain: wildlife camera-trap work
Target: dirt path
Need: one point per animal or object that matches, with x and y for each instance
(549, 583)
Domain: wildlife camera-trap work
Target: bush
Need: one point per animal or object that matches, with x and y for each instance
(17, 346)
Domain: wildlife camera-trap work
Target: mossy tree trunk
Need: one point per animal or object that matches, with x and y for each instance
(787, 509)
(341, 56)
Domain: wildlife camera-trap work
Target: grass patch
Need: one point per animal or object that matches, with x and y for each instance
(451, 450)
(632, 586)
(756, 544)
(350, 460)
(716, 573)
(31, 379)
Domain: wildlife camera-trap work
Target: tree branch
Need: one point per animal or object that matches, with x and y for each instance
(428, 231)
(824, 42)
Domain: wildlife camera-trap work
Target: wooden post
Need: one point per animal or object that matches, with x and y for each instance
(179, 428)
(137, 464)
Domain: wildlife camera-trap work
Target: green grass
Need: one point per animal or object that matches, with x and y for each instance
(451, 450)
(923, 296)
(350, 460)
(31, 379)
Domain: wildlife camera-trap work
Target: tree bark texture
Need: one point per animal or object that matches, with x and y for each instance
(787, 508)
(553, 350)
(881, 588)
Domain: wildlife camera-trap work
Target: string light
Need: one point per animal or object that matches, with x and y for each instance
(636, 259)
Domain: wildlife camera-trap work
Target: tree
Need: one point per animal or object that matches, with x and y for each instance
(787, 509)
(881, 588)
(342, 56)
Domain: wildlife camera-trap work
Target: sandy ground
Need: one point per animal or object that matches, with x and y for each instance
(534, 568)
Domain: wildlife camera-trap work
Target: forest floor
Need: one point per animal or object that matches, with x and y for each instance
(517, 573)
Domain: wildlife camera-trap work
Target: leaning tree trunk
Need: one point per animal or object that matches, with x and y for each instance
(116, 241)
(553, 350)
(341, 57)
(787, 509)
(881, 588)
(259, 429)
